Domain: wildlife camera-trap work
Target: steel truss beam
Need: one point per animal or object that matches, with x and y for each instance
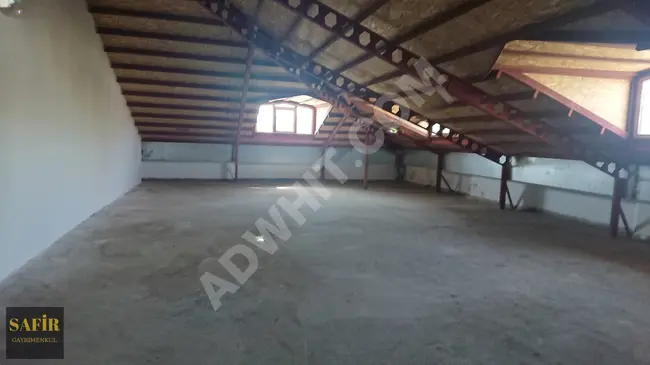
(334, 87)
(407, 61)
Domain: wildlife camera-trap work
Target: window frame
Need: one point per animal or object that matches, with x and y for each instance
(636, 90)
(277, 105)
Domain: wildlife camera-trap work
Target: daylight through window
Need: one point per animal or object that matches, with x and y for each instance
(297, 115)
(643, 128)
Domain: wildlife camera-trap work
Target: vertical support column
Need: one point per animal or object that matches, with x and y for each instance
(439, 169)
(242, 107)
(400, 166)
(322, 164)
(617, 197)
(365, 160)
(506, 174)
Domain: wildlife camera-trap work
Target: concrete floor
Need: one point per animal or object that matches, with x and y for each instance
(381, 276)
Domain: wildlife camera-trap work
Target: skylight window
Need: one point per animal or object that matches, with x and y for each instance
(296, 115)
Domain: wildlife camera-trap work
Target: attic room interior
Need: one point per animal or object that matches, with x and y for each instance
(325, 182)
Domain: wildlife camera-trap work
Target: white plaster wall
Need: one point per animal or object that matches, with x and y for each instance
(569, 188)
(195, 161)
(68, 145)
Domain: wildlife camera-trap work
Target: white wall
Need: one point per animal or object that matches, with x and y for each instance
(569, 188)
(68, 145)
(163, 160)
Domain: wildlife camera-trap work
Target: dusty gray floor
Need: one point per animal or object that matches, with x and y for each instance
(374, 277)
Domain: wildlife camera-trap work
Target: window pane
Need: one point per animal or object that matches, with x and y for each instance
(321, 115)
(265, 119)
(305, 120)
(644, 109)
(284, 120)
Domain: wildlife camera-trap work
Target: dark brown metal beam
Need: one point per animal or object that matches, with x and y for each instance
(184, 56)
(164, 95)
(188, 134)
(440, 167)
(195, 85)
(195, 72)
(170, 37)
(138, 104)
(231, 128)
(615, 213)
(186, 117)
(506, 175)
(107, 10)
